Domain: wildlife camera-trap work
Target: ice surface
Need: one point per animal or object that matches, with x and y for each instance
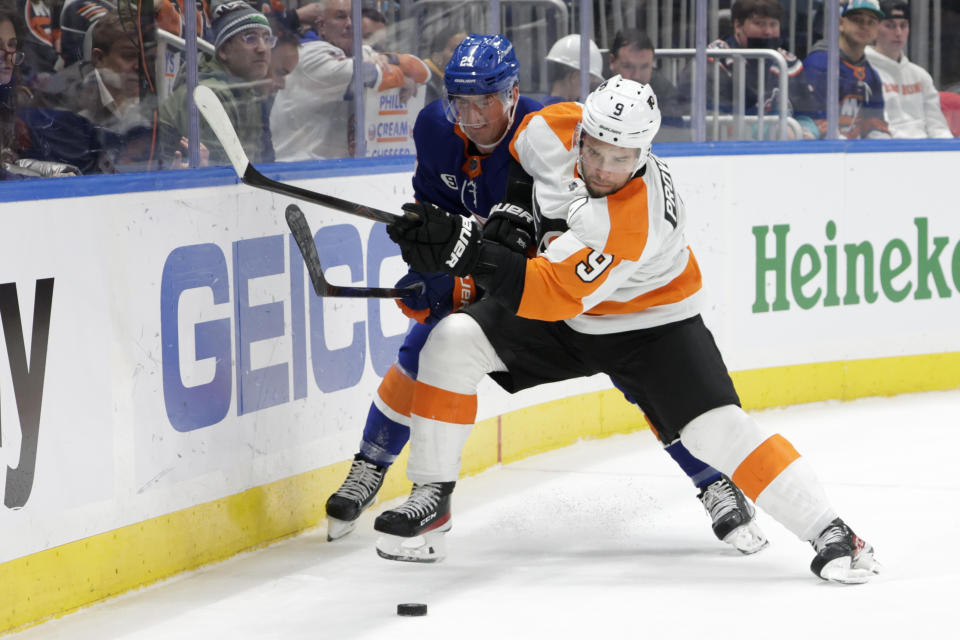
(606, 539)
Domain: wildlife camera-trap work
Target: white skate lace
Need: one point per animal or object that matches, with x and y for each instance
(423, 499)
(719, 499)
(361, 481)
(830, 535)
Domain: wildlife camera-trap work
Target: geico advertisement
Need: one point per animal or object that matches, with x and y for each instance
(255, 377)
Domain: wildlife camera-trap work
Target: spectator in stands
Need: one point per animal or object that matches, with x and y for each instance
(756, 25)
(373, 28)
(285, 56)
(41, 40)
(283, 60)
(243, 43)
(861, 92)
(76, 16)
(105, 92)
(950, 105)
(563, 69)
(12, 35)
(312, 116)
(292, 19)
(441, 49)
(632, 56)
(911, 104)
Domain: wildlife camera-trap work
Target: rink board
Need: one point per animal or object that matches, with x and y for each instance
(195, 399)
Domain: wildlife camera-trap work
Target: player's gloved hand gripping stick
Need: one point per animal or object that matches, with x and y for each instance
(213, 112)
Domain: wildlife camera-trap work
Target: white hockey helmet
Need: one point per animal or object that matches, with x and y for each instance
(622, 112)
(566, 51)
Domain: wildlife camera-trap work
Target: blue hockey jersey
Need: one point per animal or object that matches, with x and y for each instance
(450, 173)
(861, 95)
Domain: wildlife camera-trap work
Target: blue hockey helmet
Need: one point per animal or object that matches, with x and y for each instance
(481, 64)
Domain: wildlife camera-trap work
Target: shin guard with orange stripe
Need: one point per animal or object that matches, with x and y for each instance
(441, 422)
(766, 468)
(395, 394)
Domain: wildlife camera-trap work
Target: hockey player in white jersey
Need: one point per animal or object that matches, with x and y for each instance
(618, 291)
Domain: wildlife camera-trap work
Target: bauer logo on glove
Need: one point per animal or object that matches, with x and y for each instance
(436, 241)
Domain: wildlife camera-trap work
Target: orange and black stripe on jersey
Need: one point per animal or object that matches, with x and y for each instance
(623, 262)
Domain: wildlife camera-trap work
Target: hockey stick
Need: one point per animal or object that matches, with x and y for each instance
(302, 234)
(216, 116)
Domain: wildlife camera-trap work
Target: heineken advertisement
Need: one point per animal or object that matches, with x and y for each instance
(916, 265)
(822, 258)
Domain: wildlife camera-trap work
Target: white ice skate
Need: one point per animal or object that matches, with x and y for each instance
(843, 556)
(354, 496)
(414, 531)
(733, 516)
(429, 547)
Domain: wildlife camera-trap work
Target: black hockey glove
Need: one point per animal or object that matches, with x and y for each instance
(437, 241)
(512, 226)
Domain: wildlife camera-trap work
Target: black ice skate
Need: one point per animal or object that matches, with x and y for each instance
(732, 516)
(413, 532)
(843, 556)
(353, 497)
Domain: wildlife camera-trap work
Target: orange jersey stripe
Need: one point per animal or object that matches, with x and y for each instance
(680, 288)
(396, 390)
(629, 220)
(562, 118)
(553, 291)
(435, 403)
(763, 465)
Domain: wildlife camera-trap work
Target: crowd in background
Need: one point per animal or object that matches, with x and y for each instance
(82, 89)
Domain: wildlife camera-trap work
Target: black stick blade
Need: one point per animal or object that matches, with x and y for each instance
(304, 239)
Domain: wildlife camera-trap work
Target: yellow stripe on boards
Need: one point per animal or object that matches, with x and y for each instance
(56, 581)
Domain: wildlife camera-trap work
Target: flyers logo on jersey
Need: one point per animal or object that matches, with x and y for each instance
(466, 229)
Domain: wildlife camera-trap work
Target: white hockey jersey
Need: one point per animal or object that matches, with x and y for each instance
(911, 102)
(620, 262)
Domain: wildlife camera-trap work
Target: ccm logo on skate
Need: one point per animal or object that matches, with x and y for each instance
(466, 228)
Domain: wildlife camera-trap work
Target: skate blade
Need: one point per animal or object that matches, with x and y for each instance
(337, 529)
(430, 547)
(747, 539)
(843, 571)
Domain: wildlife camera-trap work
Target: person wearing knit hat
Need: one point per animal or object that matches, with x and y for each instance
(911, 102)
(243, 41)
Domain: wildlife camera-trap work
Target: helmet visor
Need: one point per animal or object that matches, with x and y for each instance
(478, 111)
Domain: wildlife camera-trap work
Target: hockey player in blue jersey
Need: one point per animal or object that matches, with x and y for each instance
(462, 143)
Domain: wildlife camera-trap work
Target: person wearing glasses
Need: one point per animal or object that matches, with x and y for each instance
(11, 56)
(243, 45)
(12, 96)
(312, 117)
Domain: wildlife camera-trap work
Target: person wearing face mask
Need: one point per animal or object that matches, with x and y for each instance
(911, 102)
(756, 25)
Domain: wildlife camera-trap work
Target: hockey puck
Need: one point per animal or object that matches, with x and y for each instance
(412, 609)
